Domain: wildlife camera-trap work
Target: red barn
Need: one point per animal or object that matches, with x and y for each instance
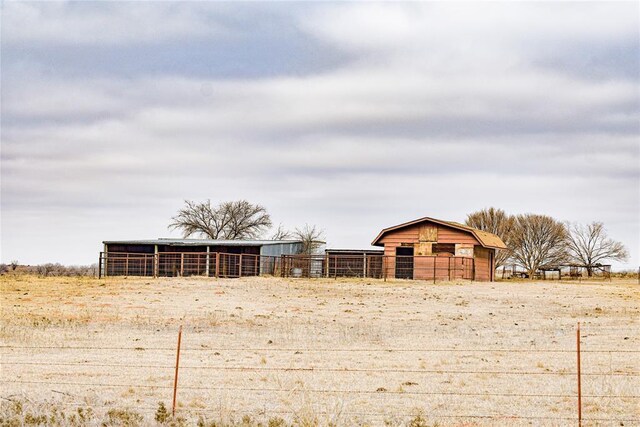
(433, 249)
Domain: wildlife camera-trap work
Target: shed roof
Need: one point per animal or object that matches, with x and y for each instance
(200, 242)
(486, 239)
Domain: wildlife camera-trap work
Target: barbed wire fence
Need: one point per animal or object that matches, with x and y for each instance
(171, 385)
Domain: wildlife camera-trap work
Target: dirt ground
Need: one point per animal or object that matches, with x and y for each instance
(325, 352)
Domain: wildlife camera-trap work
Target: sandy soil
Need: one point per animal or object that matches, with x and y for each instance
(347, 352)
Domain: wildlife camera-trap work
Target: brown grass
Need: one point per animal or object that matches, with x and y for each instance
(283, 323)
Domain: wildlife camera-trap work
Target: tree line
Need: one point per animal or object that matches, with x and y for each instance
(537, 241)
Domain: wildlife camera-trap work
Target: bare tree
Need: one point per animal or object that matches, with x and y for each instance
(229, 220)
(311, 236)
(281, 233)
(589, 245)
(495, 221)
(538, 241)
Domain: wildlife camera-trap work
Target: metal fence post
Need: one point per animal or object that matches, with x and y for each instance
(175, 381)
(579, 379)
(217, 265)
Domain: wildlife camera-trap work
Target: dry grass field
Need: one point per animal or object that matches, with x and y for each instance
(277, 352)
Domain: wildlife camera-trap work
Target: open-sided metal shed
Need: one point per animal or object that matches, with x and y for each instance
(187, 257)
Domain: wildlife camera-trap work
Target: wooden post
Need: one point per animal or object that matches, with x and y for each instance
(175, 381)
(240, 267)
(100, 266)
(181, 264)
(579, 379)
(256, 264)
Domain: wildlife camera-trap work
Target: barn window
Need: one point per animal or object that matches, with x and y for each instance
(444, 248)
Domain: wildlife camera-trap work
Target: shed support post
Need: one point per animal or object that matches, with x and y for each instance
(326, 265)
(156, 261)
(182, 264)
(364, 265)
(240, 267)
(206, 267)
(106, 259)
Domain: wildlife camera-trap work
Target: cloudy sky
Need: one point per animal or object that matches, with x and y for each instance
(351, 116)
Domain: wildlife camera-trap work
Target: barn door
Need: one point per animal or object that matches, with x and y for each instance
(404, 262)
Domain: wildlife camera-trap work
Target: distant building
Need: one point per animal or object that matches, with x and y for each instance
(433, 249)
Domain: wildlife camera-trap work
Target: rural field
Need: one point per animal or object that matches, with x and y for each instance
(276, 352)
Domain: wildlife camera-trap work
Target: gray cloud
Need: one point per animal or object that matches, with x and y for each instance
(350, 116)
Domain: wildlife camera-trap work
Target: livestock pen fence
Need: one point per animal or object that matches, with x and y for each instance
(230, 265)
(141, 376)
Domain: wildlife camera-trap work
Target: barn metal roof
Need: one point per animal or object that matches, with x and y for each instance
(486, 239)
(199, 242)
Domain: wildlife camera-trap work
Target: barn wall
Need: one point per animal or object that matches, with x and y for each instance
(411, 235)
(483, 264)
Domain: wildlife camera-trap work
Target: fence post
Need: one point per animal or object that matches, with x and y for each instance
(579, 379)
(175, 381)
(240, 267)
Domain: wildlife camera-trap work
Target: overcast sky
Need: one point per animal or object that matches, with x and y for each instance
(351, 116)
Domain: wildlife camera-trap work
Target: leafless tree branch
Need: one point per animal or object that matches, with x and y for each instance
(589, 245)
(311, 236)
(538, 241)
(495, 221)
(229, 220)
